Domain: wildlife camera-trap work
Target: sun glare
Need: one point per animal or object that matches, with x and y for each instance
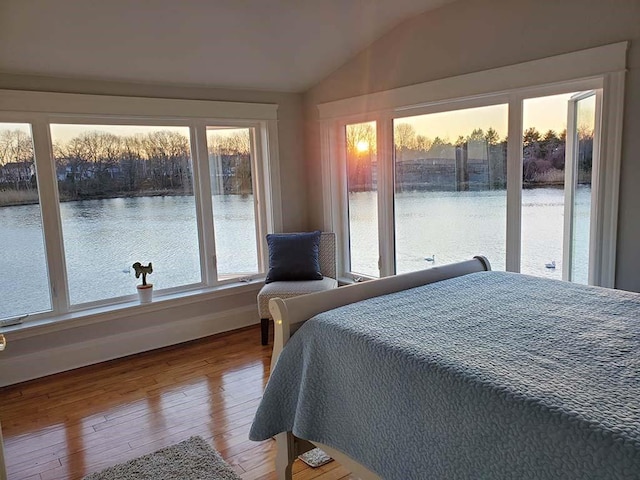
(362, 146)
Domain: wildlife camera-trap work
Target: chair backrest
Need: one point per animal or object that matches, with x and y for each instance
(327, 254)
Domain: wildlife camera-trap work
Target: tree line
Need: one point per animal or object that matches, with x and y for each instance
(98, 164)
(543, 154)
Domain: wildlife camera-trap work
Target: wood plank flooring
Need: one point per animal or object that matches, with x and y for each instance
(68, 425)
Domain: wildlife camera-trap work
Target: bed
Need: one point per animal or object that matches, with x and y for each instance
(458, 372)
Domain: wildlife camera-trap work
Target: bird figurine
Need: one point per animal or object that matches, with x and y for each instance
(142, 270)
(550, 265)
(432, 258)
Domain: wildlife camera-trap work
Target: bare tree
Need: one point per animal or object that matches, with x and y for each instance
(361, 148)
(360, 134)
(404, 139)
(16, 158)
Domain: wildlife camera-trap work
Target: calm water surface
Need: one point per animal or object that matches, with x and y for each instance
(455, 226)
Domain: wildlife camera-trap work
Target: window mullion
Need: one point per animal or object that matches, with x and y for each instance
(258, 145)
(514, 184)
(570, 183)
(271, 178)
(337, 197)
(204, 207)
(386, 225)
(609, 178)
(597, 256)
(51, 222)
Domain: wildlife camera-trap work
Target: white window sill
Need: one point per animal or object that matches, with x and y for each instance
(106, 313)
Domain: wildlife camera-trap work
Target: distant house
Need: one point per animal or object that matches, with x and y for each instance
(17, 174)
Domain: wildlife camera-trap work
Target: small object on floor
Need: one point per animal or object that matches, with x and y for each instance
(315, 458)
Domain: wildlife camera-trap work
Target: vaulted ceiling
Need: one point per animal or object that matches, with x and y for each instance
(282, 45)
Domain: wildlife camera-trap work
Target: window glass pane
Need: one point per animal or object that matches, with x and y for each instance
(450, 187)
(543, 157)
(234, 215)
(585, 123)
(362, 188)
(24, 282)
(126, 196)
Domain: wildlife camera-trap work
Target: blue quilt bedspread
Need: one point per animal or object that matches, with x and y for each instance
(491, 375)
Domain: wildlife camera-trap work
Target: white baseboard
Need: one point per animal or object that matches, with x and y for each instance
(58, 359)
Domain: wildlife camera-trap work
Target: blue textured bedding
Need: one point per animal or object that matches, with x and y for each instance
(486, 376)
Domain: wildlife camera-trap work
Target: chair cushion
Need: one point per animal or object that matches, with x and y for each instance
(291, 289)
(293, 256)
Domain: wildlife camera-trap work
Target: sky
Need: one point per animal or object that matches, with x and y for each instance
(544, 113)
(64, 132)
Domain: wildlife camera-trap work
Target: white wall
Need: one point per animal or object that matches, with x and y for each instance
(117, 334)
(31, 356)
(474, 35)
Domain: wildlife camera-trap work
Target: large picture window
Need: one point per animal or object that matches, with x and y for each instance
(126, 195)
(171, 182)
(450, 187)
(516, 173)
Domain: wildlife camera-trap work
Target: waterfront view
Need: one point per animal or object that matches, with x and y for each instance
(435, 228)
(446, 197)
(126, 193)
(105, 237)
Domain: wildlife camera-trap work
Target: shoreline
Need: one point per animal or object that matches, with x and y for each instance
(148, 193)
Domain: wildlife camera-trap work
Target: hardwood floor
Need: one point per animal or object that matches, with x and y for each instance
(74, 423)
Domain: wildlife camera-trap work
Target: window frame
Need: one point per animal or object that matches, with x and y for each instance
(600, 68)
(41, 109)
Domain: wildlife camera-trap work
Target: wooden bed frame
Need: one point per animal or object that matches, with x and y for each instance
(290, 314)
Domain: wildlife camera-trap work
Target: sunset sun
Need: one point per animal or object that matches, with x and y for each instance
(362, 146)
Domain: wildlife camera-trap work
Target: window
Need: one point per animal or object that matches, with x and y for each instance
(499, 163)
(186, 185)
(580, 163)
(450, 187)
(24, 283)
(126, 195)
(231, 157)
(558, 161)
(362, 181)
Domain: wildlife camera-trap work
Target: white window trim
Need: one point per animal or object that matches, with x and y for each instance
(92, 105)
(40, 109)
(595, 68)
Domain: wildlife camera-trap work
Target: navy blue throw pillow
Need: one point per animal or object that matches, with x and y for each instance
(293, 256)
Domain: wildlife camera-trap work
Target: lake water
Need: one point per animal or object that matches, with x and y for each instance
(455, 226)
(103, 238)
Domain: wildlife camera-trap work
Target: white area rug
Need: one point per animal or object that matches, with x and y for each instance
(192, 459)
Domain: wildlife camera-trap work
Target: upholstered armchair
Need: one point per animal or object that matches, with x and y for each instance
(293, 288)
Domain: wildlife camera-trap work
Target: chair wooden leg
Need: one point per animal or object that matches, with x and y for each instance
(264, 327)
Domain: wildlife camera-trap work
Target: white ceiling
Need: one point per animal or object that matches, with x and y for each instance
(283, 45)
